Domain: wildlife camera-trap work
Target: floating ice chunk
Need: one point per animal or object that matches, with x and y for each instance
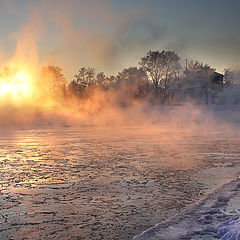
(207, 219)
(212, 211)
(222, 198)
(221, 201)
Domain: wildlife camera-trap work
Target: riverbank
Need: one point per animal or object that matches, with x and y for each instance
(211, 218)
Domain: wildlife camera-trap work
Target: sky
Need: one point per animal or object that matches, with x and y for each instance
(110, 35)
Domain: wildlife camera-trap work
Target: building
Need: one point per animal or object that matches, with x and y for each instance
(201, 90)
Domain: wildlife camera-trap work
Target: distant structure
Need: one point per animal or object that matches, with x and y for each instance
(202, 88)
(217, 81)
(186, 72)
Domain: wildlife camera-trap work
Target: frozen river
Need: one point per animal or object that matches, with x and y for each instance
(105, 183)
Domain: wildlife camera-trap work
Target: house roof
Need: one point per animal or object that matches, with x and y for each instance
(217, 74)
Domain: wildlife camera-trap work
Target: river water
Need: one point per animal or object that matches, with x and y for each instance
(104, 182)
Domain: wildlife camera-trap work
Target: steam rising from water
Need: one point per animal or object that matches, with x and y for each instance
(76, 42)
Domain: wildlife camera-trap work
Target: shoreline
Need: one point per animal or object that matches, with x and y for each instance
(203, 219)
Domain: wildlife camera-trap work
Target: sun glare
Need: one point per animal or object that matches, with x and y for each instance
(16, 86)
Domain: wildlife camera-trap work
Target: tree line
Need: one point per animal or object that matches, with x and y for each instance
(151, 79)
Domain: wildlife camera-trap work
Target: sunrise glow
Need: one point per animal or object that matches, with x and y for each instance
(16, 86)
(119, 119)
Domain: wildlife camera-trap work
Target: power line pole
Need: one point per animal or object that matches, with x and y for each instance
(206, 88)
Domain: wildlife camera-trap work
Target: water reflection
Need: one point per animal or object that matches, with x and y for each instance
(103, 183)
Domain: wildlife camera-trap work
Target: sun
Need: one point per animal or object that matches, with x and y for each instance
(17, 86)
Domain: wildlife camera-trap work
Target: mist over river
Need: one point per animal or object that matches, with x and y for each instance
(107, 182)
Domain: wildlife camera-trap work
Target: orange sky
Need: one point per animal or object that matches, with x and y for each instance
(111, 35)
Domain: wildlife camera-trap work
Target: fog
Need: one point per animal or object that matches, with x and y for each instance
(31, 107)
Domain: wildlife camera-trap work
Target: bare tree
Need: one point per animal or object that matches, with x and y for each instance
(198, 71)
(104, 82)
(201, 74)
(134, 80)
(232, 77)
(101, 80)
(161, 68)
(84, 79)
(52, 81)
